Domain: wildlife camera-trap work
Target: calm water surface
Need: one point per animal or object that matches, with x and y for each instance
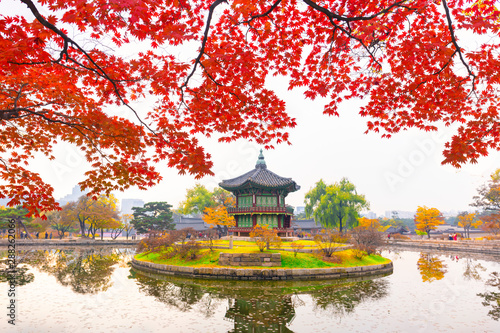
(94, 290)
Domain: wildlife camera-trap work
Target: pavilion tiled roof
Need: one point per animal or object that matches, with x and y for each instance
(260, 177)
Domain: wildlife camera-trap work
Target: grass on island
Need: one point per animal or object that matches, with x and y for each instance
(207, 258)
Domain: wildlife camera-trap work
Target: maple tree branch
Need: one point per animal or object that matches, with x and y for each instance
(98, 70)
(455, 43)
(253, 17)
(357, 39)
(19, 94)
(332, 15)
(447, 64)
(204, 41)
(5, 165)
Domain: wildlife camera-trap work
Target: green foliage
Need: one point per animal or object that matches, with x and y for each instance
(154, 216)
(24, 223)
(199, 198)
(335, 206)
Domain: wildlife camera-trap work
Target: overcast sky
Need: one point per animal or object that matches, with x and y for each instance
(400, 173)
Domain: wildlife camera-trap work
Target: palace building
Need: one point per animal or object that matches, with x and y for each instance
(260, 199)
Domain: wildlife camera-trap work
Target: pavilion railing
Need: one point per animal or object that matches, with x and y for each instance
(246, 229)
(260, 209)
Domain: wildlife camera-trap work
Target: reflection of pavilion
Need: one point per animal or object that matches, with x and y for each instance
(260, 307)
(256, 316)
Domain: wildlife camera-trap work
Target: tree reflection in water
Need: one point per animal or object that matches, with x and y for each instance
(258, 306)
(18, 277)
(431, 268)
(342, 300)
(85, 270)
(492, 298)
(182, 296)
(472, 269)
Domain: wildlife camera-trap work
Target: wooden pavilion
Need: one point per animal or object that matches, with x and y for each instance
(260, 199)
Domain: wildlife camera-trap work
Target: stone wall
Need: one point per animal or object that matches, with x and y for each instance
(250, 259)
(489, 247)
(227, 273)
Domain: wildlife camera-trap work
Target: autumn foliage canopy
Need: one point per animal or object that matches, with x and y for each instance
(133, 83)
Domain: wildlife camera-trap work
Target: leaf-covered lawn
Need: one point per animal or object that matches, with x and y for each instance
(208, 258)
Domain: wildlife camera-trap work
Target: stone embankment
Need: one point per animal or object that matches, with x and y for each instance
(229, 273)
(68, 242)
(487, 246)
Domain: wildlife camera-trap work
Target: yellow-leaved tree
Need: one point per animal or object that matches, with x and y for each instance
(264, 237)
(218, 217)
(431, 268)
(467, 221)
(427, 219)
(372, 223)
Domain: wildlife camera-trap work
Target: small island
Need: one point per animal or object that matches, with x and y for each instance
(264, 247)
(299, 260)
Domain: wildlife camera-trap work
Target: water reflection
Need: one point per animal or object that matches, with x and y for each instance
(259, 306)
(342, 300)
(181, 296)
(84, 270)
(258, 315)
(473, 269)
(63, 290)
(431, 267)
(19, 277)
(492, 298)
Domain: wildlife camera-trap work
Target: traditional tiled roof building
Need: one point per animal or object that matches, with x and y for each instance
(260, 199)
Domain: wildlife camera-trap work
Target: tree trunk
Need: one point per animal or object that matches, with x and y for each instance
(25, 229)
(102, 235)
(82, 227)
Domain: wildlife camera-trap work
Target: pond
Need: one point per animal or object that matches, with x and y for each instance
(84, 289)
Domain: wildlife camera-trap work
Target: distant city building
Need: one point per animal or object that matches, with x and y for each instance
(369, 215)
(299, 210)
(401, 214)
(452, 213)
(410, 215)
(127, 204)
(75, 194)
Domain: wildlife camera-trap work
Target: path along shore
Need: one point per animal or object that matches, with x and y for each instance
(475, 246)
(4, 242)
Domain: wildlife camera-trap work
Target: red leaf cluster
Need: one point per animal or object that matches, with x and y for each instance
(64, 74)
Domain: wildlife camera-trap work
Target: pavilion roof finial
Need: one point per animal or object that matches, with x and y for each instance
(260, 162)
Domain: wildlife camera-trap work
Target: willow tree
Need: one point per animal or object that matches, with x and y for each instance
(335, 206)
